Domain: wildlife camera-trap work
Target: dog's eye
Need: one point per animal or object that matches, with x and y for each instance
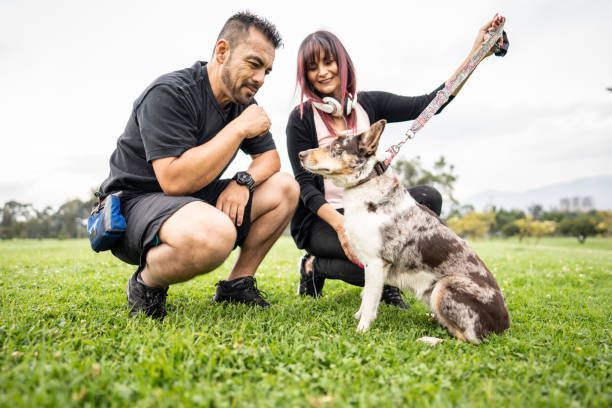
(336, 149)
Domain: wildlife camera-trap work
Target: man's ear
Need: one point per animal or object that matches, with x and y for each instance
(222, 51)
(369, 139)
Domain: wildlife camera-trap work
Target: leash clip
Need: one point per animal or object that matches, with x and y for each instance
(393, 149)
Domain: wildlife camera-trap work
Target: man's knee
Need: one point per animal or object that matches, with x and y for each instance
(202, 236)
(211, 241)
(289, 188)
(279, 193)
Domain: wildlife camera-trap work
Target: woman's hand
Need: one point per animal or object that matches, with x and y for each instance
(346, 247)
(335, 219)
(483, 33)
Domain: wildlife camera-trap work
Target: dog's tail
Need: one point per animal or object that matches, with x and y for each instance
(467, 310)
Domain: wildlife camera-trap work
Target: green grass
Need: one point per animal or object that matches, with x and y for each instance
(66, 339)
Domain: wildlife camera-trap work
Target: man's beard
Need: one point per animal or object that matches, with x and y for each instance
(235, 89)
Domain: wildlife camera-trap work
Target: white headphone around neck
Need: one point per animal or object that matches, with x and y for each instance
(333, 107)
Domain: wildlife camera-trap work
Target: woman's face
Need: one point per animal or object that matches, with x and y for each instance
(323, 76)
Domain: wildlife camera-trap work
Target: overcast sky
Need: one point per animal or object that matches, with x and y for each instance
(70, 71)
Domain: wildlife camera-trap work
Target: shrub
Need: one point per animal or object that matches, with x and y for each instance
(474, 224)
(582, 226)
(528, 227)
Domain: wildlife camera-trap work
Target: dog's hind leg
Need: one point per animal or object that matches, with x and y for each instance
(467, 310)
(455, 317)
(372, 291)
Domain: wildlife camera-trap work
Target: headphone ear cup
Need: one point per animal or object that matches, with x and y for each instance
(349, 106)
(337, 108)
(333, 107)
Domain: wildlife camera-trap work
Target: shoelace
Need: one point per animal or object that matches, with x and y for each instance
(253, 287)
(156, 296)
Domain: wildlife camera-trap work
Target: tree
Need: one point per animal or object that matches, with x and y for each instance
(18, 220)
(535, 210)
(474, 224)
(72, 213)
(604, 225)
(539, 229)
(459, 210)
(581, 226)
(15, 216)
(442, 176)
(504, 221)
(556, 216)
(510, 229)
(530, 227)
(42, 225)
(523, 227)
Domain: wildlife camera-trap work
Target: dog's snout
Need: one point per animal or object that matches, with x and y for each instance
(302, 155)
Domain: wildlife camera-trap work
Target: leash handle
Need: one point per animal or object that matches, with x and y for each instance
(475, 59)
(443, 94)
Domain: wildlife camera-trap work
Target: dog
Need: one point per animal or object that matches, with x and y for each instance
(403, 243)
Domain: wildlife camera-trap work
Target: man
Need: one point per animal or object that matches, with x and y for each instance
(186, 127)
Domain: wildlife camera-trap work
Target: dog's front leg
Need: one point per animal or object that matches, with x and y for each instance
(372, 290)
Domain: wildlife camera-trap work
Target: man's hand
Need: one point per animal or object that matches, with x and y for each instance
(253, 122)
(483, 33)
(233, 200)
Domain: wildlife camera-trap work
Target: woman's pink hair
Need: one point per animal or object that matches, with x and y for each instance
(332, 48)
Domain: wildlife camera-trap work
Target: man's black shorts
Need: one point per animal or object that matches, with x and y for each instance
(146, 212)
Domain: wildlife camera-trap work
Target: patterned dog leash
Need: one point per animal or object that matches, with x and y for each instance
(444, 93)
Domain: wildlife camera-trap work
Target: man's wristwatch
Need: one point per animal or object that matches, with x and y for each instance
(243, 178)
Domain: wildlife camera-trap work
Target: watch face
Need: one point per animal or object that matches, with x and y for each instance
(242, 178)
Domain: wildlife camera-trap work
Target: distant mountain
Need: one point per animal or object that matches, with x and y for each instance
(599, 189)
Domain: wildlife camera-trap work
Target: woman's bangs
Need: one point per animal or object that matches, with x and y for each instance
(312, 52)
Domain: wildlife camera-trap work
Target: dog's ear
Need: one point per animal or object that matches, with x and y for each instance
(368, 142)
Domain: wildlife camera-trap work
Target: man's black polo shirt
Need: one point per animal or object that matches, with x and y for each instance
(176, 112)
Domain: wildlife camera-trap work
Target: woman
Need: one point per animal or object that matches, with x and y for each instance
(331, 107)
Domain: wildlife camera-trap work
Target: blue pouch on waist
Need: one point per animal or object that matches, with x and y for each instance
(106, 224)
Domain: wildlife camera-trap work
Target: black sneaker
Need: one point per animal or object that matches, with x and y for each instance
(142, 298)
(393, 296)
(241, 290)
(310, 284)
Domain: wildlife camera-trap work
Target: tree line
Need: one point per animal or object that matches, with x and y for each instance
(534, 223)
(498, 222)
(22, 220)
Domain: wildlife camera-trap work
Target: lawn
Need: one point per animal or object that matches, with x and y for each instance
(66, 339)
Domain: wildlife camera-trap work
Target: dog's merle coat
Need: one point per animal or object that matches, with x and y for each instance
(405, 244)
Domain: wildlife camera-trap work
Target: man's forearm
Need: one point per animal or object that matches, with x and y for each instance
(264, 165)
(200, 165)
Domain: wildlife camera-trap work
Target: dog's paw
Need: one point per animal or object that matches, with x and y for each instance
(365, 322)
(363, 325)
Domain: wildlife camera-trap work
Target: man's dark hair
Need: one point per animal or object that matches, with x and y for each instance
(237, 27)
